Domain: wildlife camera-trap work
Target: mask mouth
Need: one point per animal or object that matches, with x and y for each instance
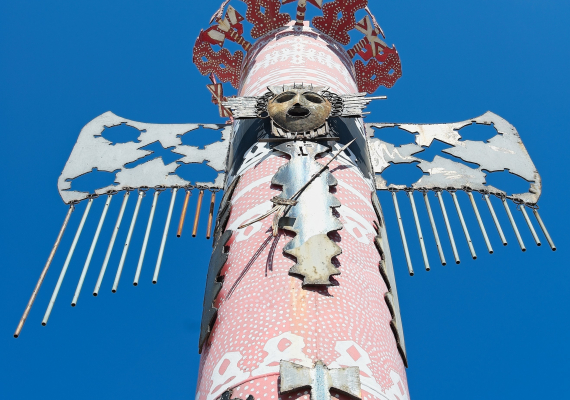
(298, 112)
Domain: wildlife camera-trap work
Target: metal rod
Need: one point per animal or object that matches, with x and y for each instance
(495, 219)
(434, 228)
(211, 215)
(532, 231)
(544, 230)
(44, 273)
(164, 235)
(91, 250)
(448, 226)
(514, 224)
(111, 244)
(476, 209)
(402, 234)
(146, 236)
(198, 208)
(419, 229)
(127, 242)
(183, 215)
(464, 226)
(67, 261)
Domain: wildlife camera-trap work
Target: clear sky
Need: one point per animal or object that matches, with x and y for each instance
(491, 328)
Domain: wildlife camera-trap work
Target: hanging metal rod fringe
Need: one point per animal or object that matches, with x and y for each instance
(67, 261)
(44, 272)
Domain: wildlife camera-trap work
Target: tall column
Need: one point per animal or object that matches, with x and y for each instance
(264, 314)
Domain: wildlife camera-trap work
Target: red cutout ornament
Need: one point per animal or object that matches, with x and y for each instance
(378, 67)
(267, 21)
(223, 64)
(217, 91)
(338, 28)
(232, 27)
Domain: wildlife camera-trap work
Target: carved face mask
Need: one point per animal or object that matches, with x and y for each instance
(299, 110)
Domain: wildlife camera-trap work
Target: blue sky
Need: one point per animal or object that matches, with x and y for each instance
(491, 328)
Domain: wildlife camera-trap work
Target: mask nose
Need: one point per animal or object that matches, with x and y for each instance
(298, 111)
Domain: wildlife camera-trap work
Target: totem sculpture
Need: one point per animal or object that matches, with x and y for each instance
(301, 299)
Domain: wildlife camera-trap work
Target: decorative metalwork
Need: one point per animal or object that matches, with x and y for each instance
(312, 113)
(299, 110)
(312, 218)
(386, 268)
(338, 19)
(265, 16)
(383, 63)
(92, 150)
(209, 61)
(503, 151)
(320, 379)
(213, 287)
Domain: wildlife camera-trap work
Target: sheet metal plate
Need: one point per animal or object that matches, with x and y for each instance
(92, 150)
(503, 151)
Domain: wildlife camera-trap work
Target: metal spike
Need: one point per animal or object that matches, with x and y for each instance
(476, 209)
(146, 236)
(44, 273)
(419, 229)
(527, 219)
(211, 215)
(67, 261)
(495, 219)
(164, 236)
(183, 215)
(544, 230)
(197, 216)
(434, 229)
(402, 234)
(127, 242)
(513, 224)
(464, 225)
(91, 250)
(448, 226)
(111, 244)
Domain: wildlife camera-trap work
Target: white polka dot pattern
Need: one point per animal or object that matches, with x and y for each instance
(266, 316)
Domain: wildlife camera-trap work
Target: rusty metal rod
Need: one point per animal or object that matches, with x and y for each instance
(183, 215)
(419, 229)
(464, 226)
(544, 230)
(513, 224)
(495, 219)
(532, 231)
(164, 236)
(211, 215)
(127, 242)
(403, 234)
(111, 244)
(448, 226)
(91, 250)
(146, 236)
(67, 261)
(44, 273)
(434, 229)
(197, 216)
(483, 230)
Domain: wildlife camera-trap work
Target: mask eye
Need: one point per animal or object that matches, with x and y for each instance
(284, 97)
(313, 97)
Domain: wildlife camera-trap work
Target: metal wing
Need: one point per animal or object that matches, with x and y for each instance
(503, 151)
(93, 151)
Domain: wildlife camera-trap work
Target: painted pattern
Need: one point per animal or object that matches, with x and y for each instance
(287, 56)
(266, 316)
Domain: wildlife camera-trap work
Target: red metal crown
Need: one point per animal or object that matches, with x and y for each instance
(379, 64)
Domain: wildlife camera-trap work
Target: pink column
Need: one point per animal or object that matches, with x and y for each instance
(264, 314)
